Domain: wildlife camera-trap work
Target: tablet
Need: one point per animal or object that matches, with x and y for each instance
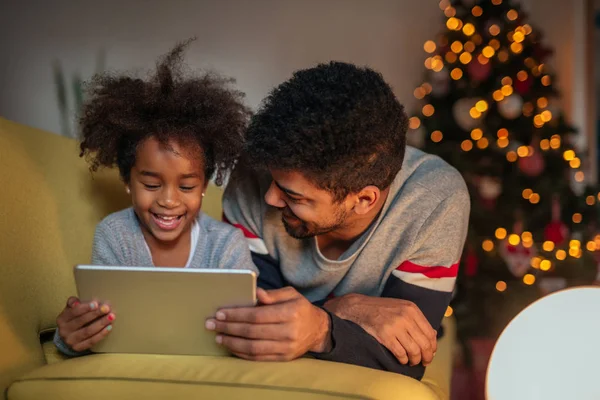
(163, 310)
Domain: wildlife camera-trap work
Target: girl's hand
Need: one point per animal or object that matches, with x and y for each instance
(82, 325)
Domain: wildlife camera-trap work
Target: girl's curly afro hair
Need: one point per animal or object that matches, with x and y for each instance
(201, 112)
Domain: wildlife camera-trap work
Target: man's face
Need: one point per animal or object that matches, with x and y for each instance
(306, 210)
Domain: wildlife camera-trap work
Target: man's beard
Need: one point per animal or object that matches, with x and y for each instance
(300, 229)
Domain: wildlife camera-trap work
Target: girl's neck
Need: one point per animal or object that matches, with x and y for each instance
(169, 254)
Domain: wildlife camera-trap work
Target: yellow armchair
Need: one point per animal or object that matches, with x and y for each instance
(50, 206)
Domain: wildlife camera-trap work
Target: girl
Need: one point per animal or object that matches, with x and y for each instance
(168, 135)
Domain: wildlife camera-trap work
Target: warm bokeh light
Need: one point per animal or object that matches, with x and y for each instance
(512, 15)
(522, 76)
(428, 110)
(568, 155)
(414, 122)
(468, 29)
(534, 199)
(483, 143)
(481, 106)
(577, 218)
(561, 255)
(516, 48)
(575, 163)
(466, 145)
(487, 245)
(579, 176)
(456, 74)
(498, 96)
(527, 236)
(500, 233)
(591, 246)
(476, 134)
(535, 262)
(518, 37)
(436, 136)
(527, 193)
(474, 113)
(449, 312)
(514, 239)
(546, 80)
(548, 245)
(507, 90)
(494, 30)
(590, 200)
(453, 24)
(523, 151)
(546, 115)
(429, 46)
(465, 58)
(488, 51)
(511, 156)
(542, 102)
(502, 143)
(502, 133)
(501, 286)
(456, 46)
(419, 93)
(546, 264)
(545, 144)
(528, 279)
(507, 80)
(495, 44)
(477, 11)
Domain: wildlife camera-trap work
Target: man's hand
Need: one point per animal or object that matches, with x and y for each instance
(397, 324)
(283, 327)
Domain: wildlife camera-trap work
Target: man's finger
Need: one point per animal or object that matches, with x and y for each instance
(246, 330)
(424, 343)
(267, 357)
(426, 328)
(253, 347)
(412, 348)
(269, 314)
(393, 345)
(276, 295)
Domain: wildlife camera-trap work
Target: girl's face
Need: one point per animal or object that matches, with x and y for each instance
(166, 185)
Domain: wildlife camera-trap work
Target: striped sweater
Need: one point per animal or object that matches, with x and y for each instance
(411, 251)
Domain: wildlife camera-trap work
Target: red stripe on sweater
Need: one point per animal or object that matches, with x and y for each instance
(245, 230)
(430, 272)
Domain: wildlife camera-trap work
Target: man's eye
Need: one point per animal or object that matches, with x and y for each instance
(151, 187)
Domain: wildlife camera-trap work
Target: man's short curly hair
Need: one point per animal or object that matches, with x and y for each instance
(201, 112)
(337, 123)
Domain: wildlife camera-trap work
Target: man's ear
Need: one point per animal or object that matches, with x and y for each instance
(366, 199)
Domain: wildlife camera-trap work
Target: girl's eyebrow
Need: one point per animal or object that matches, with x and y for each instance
(192, 175)
(150, 173)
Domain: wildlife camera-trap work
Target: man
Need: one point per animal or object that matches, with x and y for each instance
(356, 237)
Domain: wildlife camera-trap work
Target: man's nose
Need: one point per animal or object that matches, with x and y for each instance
(273, 197)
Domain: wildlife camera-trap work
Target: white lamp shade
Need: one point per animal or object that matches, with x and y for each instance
(551, 350)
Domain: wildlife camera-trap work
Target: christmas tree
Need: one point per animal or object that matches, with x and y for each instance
(489, 107)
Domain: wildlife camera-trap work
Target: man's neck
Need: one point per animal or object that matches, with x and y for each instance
(333, 244)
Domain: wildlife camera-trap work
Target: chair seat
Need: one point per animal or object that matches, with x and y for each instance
(158, 376)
